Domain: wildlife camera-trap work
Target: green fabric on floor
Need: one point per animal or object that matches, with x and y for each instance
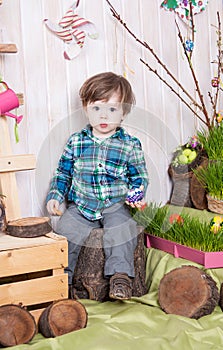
(140, 323)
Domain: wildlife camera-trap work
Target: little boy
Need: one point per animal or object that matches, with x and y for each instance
(99, 167)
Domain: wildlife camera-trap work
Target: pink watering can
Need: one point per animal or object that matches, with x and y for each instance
(9, 101)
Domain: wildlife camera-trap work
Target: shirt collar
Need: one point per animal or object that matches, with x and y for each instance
(120, 133)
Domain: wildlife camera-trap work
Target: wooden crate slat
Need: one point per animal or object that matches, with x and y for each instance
(8, 184)
(8, 187)
(8, 242)
(35, 291)
(17, 162)
(37, 313)
(19, 261)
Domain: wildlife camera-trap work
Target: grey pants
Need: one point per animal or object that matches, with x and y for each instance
(119, 240)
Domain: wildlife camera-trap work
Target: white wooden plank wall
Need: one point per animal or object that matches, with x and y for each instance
(50, 83)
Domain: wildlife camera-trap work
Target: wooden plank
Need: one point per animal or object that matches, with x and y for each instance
(57, 272)
(8, 242)
(54, 236)
(8, 185)
(20, 261)
(37, 313)
(35, 291)
(17, 162)
(8, 48)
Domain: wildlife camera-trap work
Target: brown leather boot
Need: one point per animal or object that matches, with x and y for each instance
(120, 286)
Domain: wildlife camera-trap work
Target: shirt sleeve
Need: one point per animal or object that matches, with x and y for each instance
(62, 177)
(137, 171)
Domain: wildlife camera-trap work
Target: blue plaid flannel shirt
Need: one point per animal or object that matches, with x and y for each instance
(95, 174)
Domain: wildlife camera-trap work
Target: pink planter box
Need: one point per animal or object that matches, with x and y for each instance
(207, 259)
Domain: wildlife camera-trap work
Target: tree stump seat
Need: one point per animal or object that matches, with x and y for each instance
(89, 281)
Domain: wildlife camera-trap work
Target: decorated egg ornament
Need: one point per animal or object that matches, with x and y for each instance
(215, 82)
(189, 45)
(135, 195)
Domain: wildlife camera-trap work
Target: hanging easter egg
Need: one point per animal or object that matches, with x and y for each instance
(216, 224)
(189, 45)
(215, 82)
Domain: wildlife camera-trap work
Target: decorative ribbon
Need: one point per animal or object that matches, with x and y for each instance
(71, 29)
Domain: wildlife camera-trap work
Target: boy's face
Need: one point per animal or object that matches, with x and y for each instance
(105, 117)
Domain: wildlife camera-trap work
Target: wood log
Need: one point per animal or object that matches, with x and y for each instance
(197, 191)
(89, 281)
(29, 227)
(61, 317)
(188, 291)
(17, 325)
(221, 297)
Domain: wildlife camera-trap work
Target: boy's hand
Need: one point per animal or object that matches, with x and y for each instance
(135, 198)
(139, 205)
(53, 207)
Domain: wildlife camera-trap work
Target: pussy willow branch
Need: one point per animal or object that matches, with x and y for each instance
(143, 43)
(201, 97)
(219, 44)
(211, 99)
(192, 25)
(172, 89)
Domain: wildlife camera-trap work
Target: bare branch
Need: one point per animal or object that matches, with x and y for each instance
(204, 110)
(211, 99)
(209, 122)
(219, 63)
(192, 25)
(174, 91)
(146, 45)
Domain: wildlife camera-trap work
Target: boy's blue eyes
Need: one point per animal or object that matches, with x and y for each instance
(111, 109)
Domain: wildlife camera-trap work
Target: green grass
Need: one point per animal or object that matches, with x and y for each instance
(191, 233)
(211, 178)
(212, 141)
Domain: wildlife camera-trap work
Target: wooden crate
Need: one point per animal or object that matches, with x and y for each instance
(32, 271)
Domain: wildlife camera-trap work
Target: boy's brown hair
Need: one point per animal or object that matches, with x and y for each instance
(102, 86)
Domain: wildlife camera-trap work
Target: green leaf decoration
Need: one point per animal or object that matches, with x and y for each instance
(16, 132)
(170, 4)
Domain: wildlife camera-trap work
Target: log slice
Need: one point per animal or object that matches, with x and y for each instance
(62, 317)
(188, 291)
(17, 325)
(29, 227)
